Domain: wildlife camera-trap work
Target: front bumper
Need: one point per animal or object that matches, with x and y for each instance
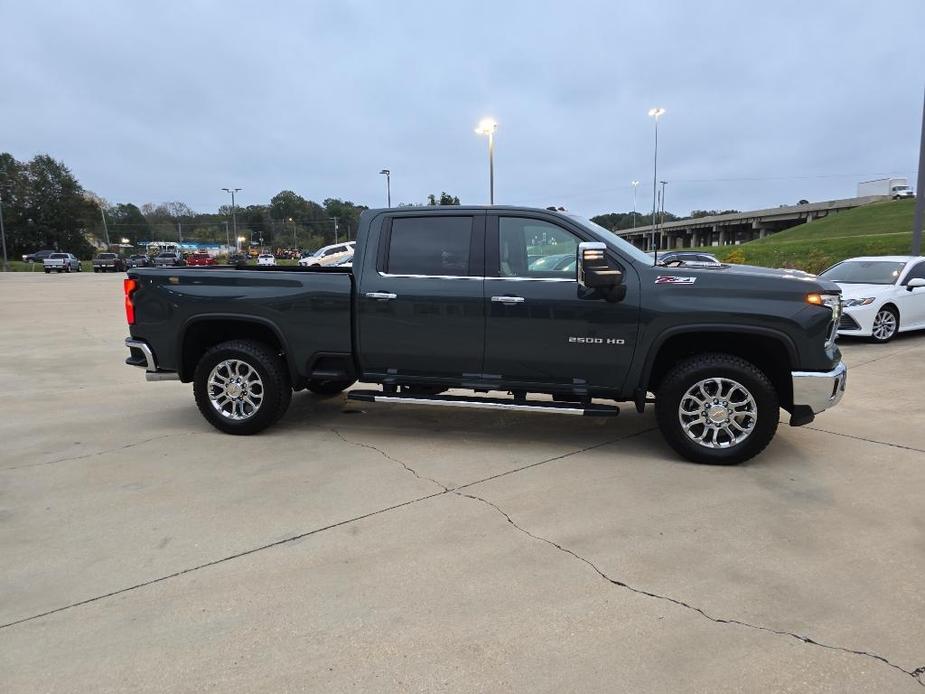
(141, 355)
(817, 391)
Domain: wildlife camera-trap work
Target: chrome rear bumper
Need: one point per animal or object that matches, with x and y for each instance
(819, 390)
(150, 364)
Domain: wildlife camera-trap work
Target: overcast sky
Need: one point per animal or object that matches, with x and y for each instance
(766, 102)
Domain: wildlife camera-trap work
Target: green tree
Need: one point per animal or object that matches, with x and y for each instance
(445, 199)
(45, 207)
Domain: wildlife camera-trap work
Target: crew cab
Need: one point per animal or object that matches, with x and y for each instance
(456, 298)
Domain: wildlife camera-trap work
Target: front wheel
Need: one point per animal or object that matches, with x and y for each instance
(241, 386)
(717, 409)
(886, 325)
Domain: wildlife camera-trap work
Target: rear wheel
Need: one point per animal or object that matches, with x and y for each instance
(328, 387)
(241, 387)
(886, 325)
(717, 409)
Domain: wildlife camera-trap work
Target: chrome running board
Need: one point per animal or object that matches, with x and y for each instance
(589, 410)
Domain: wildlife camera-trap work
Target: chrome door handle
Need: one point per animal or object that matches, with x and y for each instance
(381, 296)
(508, 299)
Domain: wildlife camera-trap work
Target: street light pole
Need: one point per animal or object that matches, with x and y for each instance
(655, 113)
(919, 201)
(6, 263)
(635, 186)
(388, 184)
(227, 238)
(234, 218)
(661, 217)
(335, 229)
(105, 228)
(487, 126)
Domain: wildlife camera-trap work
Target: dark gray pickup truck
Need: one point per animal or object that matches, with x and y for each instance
(529, 309)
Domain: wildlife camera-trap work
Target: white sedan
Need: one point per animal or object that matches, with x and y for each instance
(881, 295)
(266, 259)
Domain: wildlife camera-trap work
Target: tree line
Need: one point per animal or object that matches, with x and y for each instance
(44, 206)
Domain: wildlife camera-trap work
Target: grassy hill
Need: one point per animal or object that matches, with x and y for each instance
(883, 228)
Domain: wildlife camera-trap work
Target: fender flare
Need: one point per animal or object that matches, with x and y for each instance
(258, 320)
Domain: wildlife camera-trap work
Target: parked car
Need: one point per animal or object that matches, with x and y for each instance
(439, 299)
(138, 260)
(266, 259)
(61, 262)
(109, 262)
(554, 263)
(37, 257)
(238, 259)
(346, 261)
(327, 255)
(687, 258)
(169, 259)
(881, 295)
(199, 259)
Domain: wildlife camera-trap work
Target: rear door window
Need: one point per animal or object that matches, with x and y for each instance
(429, 246)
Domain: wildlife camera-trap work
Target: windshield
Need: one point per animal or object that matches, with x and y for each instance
(622, 244)
(865, 272)
(106, 256)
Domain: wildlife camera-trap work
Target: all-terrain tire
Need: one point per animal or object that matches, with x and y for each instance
(686, 375)
(274, 378)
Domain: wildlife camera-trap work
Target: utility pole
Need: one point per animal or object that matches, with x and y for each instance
(919, 201)
(335, 229)
(635, 185)
(179, 232)
(227, 239)
(6, 263)
(105, 228)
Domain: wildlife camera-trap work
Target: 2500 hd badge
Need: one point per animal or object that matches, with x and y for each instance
(596, 340)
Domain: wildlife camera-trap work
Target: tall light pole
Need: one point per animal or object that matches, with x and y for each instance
(227, 238)
(388, 184)
(487, 126)
(6, 263)
(293, 232)
(234, 218)
(105, 227)
(635, 186)
(655, 113)
(335, 229)
(919, 201)
(661, 216)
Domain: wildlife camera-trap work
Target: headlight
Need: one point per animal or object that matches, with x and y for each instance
(833, 303)
(858, 302)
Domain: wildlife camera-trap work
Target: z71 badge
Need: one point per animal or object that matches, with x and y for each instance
(674, 279)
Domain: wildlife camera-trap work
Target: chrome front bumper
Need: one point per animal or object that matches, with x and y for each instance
(819, 390)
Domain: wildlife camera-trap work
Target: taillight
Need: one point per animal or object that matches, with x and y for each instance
(130, 286)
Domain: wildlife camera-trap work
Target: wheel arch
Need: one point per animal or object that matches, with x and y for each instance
(770, 350)
(202, 332)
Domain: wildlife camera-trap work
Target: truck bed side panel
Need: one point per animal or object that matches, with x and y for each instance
(309, 312)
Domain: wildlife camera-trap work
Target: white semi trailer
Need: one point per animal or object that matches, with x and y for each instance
(896, 188)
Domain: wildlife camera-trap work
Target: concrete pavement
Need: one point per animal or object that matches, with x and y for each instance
(398, 548)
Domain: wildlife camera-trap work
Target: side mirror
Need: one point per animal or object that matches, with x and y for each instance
(596, 272)
(915, 282)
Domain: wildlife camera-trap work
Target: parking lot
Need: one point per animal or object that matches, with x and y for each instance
(381, 547)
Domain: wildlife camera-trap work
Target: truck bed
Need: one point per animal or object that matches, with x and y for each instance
(307, 309)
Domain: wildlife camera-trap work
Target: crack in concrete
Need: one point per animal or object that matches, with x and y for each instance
(914, 674)
(885, 356)
(300, 536)
(388, 457)
(96, 453)
(861, 438)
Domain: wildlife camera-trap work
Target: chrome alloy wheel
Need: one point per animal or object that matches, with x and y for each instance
(718, 413)
(235, 389)
(884, 324)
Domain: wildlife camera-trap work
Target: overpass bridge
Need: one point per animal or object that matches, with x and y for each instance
(738, 227)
